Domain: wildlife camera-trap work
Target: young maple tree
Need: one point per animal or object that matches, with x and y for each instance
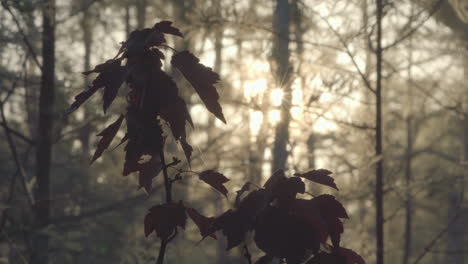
(285, 227)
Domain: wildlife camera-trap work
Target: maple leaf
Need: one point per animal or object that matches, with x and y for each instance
(167, 28)
(111, 77)
(323, 213)
(144, 138)
(139, 41)
(309, 211)
(330, 211)
(176, 114)
(283, 235)
(319, 176)
(236, 223)
(234, 226)
(202, 79)
(164, 219)
(187, 148)
(148, 171)
(286, 189)
(351, 256)
(107, 135)
(330, 207)
(215, 179)
(203, 223)
(81, 98)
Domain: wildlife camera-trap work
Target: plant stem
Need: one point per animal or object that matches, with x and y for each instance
(167, 182)
(162, 251)
(168, 188)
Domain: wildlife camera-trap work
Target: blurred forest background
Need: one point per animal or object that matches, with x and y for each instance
(298, 78)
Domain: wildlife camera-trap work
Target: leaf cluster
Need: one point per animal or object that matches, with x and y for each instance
(284, 226)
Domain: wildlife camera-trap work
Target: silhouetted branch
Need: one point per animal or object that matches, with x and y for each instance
(23, 34)
(415, 28)
(432, 243)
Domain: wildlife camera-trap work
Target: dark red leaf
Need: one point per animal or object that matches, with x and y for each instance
(319, 176)
(336, 228)
(351, 256)
(107, 135)
(167, 28)
(187, 149)
(144, 138)
(287, 189)
(236, 223)
(277, 176)
(215, 179)
(111, 77)
(203, 223)
(202, 79)
(148, 171)
(81, 98)
(176, 114)
(164, 219)
(283, 235)
(244, 189)
(330, 207)
(309, 211)
(139, 41)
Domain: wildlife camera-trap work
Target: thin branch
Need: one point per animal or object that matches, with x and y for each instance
(437, 237)
(415, 28)
(350, 55)
(23, 34)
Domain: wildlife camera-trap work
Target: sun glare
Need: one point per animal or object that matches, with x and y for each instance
(276, 96)
(255, 88)
(274, 116)
(256, 119)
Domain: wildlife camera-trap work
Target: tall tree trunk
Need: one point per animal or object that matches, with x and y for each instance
(282, 73)
(408, 156)
(42, 210)
(141, 6)
(127, 18)
(379, 173)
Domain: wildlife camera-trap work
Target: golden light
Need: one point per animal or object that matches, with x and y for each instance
(274, 116)
(296, 112)
(276, 96)
(255, 87)
(256, 119)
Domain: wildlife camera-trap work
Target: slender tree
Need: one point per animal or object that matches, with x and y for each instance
(282, 68)
(378, 139)
(42, 210)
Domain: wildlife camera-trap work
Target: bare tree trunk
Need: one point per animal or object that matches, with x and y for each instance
(141, 6)
(127, 18)
(42, 210)
(378, 138)
(282, 73)
(408, 157)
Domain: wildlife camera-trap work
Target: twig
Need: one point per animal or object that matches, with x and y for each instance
(25, 38)
(415, 28)
(436, 238)
(350, 55)
(12, 144)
